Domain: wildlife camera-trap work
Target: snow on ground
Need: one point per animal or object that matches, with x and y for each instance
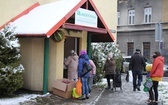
(163, 94)
(17, 100)
(20, 98)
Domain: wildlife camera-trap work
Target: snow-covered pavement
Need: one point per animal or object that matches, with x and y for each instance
(163, 95)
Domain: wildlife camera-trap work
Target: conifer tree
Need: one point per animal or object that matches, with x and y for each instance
(10, 69)
(99, 55)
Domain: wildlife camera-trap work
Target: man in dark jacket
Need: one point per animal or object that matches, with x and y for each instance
(137, 65)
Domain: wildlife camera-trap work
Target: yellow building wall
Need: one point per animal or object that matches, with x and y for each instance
(32, 50)
(108, 10)
(81, 35)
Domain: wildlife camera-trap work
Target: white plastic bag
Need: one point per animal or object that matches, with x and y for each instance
(130, 76)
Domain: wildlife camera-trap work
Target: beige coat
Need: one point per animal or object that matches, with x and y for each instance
(72, 63)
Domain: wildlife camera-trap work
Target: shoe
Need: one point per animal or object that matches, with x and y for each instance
(148, 101)
(134, 89)
(138, 88)
(108, 87)
(83, 97)
(87, 96)
(155, 102)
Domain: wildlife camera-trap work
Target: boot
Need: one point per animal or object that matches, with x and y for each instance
(109, 87)
(83, 97)
(87, 96)
(138, 88)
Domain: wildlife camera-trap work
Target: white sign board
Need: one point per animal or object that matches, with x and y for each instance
(85, 17)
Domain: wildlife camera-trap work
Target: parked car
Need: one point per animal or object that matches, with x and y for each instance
(165, 70)
(126, 61)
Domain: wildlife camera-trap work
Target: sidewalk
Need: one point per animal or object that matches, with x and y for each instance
(99, 96)
(52, 99)
(125, 97)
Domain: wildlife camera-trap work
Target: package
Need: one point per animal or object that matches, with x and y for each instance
(63, 87)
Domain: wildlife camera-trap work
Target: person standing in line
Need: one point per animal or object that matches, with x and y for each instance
(72, 64)
(84, 79)
(137, 65)
(92, 75)
(110, 70)
(156, 74)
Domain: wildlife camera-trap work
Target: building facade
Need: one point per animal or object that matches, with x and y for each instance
(137, 22)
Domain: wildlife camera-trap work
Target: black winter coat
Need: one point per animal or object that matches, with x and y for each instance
(137, 62)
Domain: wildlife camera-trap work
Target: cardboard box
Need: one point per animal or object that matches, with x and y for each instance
(63, 87)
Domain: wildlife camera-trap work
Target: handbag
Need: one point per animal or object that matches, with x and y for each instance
(86, 68)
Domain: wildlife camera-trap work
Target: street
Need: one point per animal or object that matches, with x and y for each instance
(125, 97)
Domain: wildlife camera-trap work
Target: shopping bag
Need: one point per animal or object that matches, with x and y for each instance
(79, 87)
(148, 84)
(74, 94)
(130, 76)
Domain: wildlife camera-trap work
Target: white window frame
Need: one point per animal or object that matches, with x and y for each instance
(148, 15)
(131, 17)
(118, 18)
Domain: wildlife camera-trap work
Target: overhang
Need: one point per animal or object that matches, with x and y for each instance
(44, 20)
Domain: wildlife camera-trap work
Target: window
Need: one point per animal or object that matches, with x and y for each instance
(118, 18)
(146, 49)
(147, 15)
(130, 48)
(131, 16)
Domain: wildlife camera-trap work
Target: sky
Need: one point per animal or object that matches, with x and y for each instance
(163, 94)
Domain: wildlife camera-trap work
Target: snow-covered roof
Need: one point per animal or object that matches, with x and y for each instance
(45, 19)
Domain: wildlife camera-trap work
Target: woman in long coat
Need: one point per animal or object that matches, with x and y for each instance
(72, 64)
(110, 70)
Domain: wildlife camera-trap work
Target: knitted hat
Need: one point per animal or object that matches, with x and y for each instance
(157, 53)
(83, 52)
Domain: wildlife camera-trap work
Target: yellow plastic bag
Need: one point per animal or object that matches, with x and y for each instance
(79, 87)
(148, 67)
(74, 95)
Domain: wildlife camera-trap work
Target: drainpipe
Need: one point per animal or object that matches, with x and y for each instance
(46, 65)
(89, 44)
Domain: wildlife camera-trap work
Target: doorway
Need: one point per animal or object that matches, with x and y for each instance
(70, 43)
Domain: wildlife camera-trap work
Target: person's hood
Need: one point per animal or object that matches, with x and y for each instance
(160, 58)
(84, 56)
(74, 57)
(83, 52)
